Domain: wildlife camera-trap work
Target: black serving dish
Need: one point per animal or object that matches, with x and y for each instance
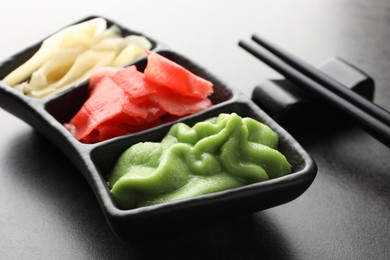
(94, 161)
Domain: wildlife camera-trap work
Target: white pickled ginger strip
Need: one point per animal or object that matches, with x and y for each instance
(63, 38)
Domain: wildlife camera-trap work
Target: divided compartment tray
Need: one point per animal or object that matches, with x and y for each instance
(95, 161)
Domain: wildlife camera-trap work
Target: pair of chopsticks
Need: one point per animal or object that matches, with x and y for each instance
(372, 118)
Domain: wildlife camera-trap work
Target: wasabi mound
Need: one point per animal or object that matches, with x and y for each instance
(214, 155)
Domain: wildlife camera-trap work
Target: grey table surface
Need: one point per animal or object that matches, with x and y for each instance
(48, 211)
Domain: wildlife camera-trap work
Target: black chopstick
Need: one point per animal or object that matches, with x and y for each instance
(325, 80)
(370, 123)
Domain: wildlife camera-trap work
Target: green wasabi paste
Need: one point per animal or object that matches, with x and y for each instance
(216, 154)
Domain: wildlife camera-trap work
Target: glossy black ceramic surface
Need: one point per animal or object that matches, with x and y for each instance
(94, 161)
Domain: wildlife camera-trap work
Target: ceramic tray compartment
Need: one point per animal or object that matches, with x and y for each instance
(95, 161)
(155, 220)
(75, 98)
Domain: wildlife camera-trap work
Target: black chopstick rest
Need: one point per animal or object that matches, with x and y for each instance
(294, 108)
